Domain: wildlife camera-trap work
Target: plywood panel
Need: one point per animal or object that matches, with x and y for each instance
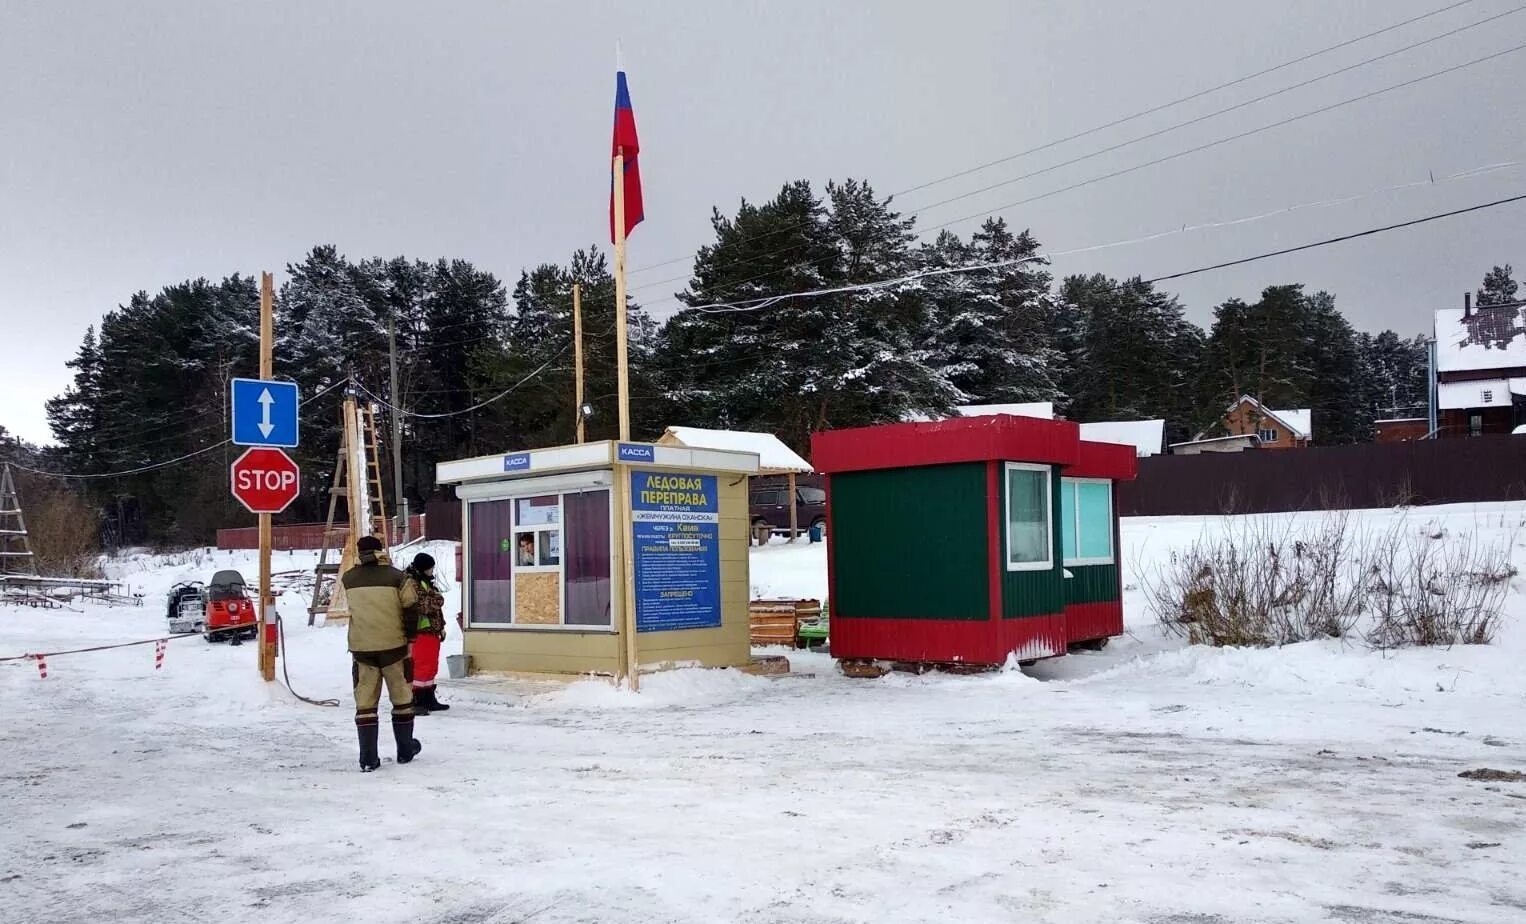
(538, 599)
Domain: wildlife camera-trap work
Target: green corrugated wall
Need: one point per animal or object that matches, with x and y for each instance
(910, 543)
(1092, 584)
(1033, 593)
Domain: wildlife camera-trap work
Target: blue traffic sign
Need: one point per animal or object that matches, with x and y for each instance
(264, 413)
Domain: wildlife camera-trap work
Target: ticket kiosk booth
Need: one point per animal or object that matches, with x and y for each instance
(601, 558)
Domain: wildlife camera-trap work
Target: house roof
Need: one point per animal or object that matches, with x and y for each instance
(1492, 338)
(1148, 437)
(1042, 410)
(773, 456)
(1301, 421)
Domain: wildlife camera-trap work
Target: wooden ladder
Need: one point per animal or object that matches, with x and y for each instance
(15, 547)
(358, 427)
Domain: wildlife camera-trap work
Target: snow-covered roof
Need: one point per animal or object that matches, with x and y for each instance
(1456, 396)
(1148, 437)
(1301, 421)
(1043, 409)
(773, 456)
(1493, 338)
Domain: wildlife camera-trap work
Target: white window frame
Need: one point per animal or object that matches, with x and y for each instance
(1267, 435)
(1075, 509)
(517, 492)
(1006, 525)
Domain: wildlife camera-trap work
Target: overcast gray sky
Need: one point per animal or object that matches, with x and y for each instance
(145, 143)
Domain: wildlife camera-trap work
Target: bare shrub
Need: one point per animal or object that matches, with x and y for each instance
(1268, 581)
(1261, 582)
(1430, 587)
(61, 528)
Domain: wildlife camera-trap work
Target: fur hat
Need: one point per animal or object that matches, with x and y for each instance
(368, 544)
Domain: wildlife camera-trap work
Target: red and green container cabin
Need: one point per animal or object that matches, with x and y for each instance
(969, 540)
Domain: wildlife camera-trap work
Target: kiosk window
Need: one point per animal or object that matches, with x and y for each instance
(541, 561)
(1030, 529)
(1086, 521)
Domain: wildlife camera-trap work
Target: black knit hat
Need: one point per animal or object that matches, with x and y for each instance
(368, 544)
(422, 562)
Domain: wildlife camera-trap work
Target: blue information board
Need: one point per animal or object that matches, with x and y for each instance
(676, 537)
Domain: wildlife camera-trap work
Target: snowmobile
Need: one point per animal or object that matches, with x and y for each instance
(187, 608)
(230, 612)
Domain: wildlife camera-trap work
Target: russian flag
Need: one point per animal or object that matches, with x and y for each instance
(625, 143)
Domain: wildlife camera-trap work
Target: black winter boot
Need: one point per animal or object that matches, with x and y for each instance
(367, 729)
(407, 746)
(432, 698)
(421, 702)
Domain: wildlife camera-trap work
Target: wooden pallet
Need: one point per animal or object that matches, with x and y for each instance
(777, 622)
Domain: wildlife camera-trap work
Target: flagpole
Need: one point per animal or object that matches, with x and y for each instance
(628, 629)
(621, 341)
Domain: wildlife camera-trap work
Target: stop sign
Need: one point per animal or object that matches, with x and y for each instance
(266, 480)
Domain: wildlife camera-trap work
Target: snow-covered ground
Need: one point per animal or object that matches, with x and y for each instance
(1147, 783)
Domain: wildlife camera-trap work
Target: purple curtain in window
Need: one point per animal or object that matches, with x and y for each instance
(491, 547)
(586, 569)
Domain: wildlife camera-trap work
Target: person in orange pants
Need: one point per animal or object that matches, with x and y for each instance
(431, 625)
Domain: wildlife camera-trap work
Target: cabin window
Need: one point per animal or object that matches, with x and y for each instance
(1086, 521)
(1030, 525)
(541, 561)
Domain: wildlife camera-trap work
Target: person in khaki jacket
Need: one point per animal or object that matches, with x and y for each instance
(383, 623)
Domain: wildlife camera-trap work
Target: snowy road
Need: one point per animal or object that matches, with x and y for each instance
(1146, 784)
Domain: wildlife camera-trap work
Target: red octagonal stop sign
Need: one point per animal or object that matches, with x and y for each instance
(266, 480)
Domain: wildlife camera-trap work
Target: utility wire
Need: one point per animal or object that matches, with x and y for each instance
(762, 303)
(1168, 157)
(501, 395)
(1344, 237)
(1216, 113)
(156, 465)
(1129, 118)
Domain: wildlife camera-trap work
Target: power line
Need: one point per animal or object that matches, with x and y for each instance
(771, 301)
(1344, 237)
(155, 465)
(1168, 157)
(1128, 118)
(501, 395)
(1217, 112)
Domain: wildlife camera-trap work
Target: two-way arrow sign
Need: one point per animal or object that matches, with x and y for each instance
(264, 413)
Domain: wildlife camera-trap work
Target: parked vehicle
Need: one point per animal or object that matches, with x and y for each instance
(187, 607)
(768, 504)
(230, 612)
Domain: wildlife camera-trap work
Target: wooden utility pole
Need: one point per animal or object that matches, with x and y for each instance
(399, 502)
(267, 615)
(628, 629)
(577, 356)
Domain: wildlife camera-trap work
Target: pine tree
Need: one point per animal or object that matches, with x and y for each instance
(992, 331)
(804, 364)
(1499, 287)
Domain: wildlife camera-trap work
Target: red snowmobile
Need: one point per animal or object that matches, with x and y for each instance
(230, 612)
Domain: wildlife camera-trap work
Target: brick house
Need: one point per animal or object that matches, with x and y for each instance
(1480, 369)
(1275, 429)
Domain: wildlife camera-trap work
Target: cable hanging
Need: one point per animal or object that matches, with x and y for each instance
(1131, 117)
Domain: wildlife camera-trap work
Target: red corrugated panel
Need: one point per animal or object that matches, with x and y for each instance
(1104, 460)
(1032, 637)
(930, 640)
(942, 442)
(1087, 621)
(294, 536)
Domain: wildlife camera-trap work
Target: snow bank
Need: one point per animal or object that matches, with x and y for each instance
(687, 687)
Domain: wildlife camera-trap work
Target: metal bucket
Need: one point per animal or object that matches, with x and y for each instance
(458, 666)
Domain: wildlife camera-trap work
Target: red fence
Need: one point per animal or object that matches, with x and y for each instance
(295, 535)
(1446, 471)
